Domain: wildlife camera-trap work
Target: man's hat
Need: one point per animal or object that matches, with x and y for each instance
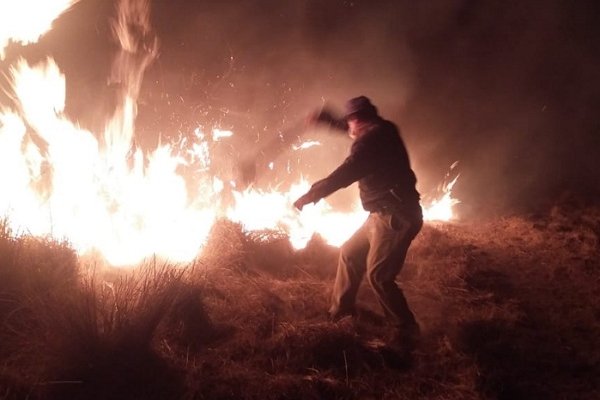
(360, 107)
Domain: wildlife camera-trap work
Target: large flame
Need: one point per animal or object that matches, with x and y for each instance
(102, 193)
(442, 209)
(25, 21)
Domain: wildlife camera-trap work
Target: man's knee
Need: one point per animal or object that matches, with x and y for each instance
(380, 279)
(350, 261)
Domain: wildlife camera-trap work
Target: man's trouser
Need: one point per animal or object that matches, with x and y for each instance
(378, 249)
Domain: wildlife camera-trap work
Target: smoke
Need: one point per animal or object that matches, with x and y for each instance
(507, 88)
(510, 87)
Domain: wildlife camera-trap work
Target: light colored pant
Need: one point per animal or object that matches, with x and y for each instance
(378, 248)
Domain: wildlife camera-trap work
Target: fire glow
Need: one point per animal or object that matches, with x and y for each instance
(25, 21)
(102, 193)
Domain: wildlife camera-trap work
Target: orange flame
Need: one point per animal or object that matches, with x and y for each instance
(25, 21)
(442, 209)
(110, 196)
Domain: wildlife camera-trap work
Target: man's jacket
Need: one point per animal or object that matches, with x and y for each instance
(379, 162)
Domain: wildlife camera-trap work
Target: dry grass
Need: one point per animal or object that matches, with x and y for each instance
(509, 310)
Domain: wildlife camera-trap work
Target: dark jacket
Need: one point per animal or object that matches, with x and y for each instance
(379, 162)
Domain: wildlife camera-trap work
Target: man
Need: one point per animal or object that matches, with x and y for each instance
(379, 162)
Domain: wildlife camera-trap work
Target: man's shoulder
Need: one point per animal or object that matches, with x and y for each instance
(381, 129)
(390, 126)
(383, 125)
(375, 136)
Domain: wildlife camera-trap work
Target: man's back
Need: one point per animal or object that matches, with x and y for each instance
(387, 167)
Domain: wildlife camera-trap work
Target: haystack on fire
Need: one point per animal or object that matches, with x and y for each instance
(102, 192)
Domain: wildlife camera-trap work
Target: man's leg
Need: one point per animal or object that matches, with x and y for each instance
(350, 271)
(389, 244)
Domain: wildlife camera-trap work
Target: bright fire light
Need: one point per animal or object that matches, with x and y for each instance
(306, 145)
(102, 193)
(442, 209)
(25, 21)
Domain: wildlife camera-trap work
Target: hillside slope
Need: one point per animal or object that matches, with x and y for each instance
(508, 308)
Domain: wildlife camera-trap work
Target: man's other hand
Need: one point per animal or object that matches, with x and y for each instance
(321, 116)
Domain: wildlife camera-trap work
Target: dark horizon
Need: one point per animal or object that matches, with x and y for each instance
(506, 88)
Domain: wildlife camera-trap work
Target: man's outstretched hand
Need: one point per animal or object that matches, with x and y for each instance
(302, 201)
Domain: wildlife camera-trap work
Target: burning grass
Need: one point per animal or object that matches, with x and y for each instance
(508, 309)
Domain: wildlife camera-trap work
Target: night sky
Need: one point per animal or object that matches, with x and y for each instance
(508, 88)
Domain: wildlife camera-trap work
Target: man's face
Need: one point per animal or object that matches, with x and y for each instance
(355, 127)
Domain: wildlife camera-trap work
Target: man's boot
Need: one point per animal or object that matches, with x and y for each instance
(405, 338)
